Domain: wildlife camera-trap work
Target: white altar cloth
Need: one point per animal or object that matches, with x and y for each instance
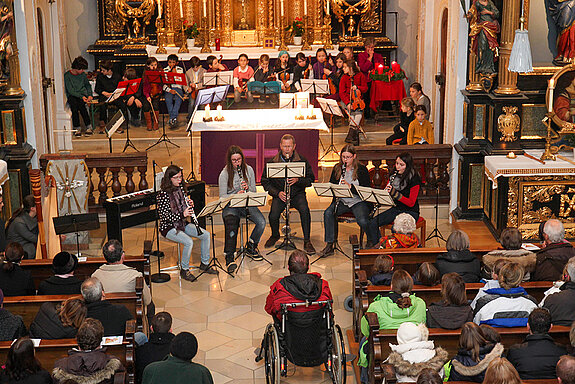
(497, 166)
(257, 120)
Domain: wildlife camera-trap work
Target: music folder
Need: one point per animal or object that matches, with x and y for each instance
(282, 170)
(332, 190)
(380, 197)
(125, 88)
(114, 123)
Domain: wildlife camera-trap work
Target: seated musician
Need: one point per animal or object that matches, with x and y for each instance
(152, 92)
(174, 208)
(195, 79)
(173, 93)
(303, 70)
(106, 83)
(334, 77)
(323, 65)
(351, 172)
(214, 64)
(243, 73)
(136, 102)
(276, 187)
(403, 187)
(284, 71)
(239, 177)
(300, 286)
(352, 86)
(264, 73)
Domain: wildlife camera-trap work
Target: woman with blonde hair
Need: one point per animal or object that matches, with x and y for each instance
(501, 371)
(402, 237)
(459, 258)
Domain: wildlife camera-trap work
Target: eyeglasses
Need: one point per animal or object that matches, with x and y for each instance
(347, 157)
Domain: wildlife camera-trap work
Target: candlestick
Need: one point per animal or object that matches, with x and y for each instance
(282, 8)
(184, 46)
(159, 9)
(551, 89)
(206, 47)
(282, 46)
(207, 111)
(181, 9)
(306, 46)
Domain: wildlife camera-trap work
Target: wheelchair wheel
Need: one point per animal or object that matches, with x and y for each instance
(336, 363)
(272, 355)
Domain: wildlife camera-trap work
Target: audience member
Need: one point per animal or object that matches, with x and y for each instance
(14, 280)
(112, 316)
(429, 376)
(22, 228)
(158, 347)
(414, 353)
(556, 287)
(453, 310)
(552, 258)
(474, 355)
(427, 275)
(561, 305)
(490, 283)
(59, 321)
(299, 286)
(63, 282)
(22, 367)
(419, 98)
(11, 326)
(382, 270)
(511, 242)
(459, 258)
(508, 306)
(537, 357)
(420, 130)
(490, 334)
(178, 367)
(500, 371)
(566, 370)
(89, 364)
(406, 116)
(402, 235)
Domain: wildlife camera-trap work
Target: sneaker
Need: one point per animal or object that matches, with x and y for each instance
(187, 275)
(271, 241)
(207, 269)
(78, 132)
(88, 132)
(256, 257)
(231, 266)
(251, 248)
(327, 251)
(308, 247)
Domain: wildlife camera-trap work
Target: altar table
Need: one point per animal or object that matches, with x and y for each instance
(386, 91)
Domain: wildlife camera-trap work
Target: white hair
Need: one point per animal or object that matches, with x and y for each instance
(571, 268)
(554, 229)
(404, 223)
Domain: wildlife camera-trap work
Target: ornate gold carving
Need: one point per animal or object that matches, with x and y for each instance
(508, 123)
(512, 202)
(113, 24)
(140, 17)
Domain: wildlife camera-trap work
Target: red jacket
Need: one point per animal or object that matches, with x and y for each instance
(365, 65)
(359, 80)
(279, 294)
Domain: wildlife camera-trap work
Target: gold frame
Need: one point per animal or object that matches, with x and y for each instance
(475, 107)
(494, 204)
(564, 126)
(5, 128)
(480, 206)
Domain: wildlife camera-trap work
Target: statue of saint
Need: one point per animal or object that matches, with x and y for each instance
(562, 13)
(483, 30)
(6, 26)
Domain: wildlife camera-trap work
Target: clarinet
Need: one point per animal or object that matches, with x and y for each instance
(193, 215)
(239, 170)
(391, 178)
(342, 179)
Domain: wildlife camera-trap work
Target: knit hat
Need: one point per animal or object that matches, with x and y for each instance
(184, 346)
(64, 263)
(283, 53)
(411, 333)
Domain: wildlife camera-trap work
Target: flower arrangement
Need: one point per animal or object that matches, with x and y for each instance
(386, 74)
(296, 27)
(191, 30)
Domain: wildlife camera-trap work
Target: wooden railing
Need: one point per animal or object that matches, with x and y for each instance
(431, 161)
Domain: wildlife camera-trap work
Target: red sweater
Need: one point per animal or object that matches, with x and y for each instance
(359, 80)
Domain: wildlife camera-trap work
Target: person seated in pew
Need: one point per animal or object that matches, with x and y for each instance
(537, 357)
(11, 326)
(63, 282)
(22, 367)
(22, 228)
(158, 346)
(554, 255)
(429, 376)
(406, 116)
(427, 275)
(566, 370)
(243, 73)
(214, 64)
(490, 334)
(556, 288)
(414, 352)
(402, 235)
(500, 371)
(453, 310)
(511, 242)
(561, 305)
(89, 364)
(382, 270)
(14, 280)
(490, 283)
(508, 306)
(474, 355)
(459, 259)
(112, 316)
(59, 321)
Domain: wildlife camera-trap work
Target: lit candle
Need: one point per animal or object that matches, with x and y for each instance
(551, 89)
(207, 111)
(380, 69)
(310, 111)
(282, 8)
(181, 9)
(395, 66)
(159, 9)
(511, 155)
(219, 111)
(305, 7)
(327, 5)
(205, 9)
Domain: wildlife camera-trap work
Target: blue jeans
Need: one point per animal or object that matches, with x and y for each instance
(185, 238)
(385, 218)
(361, 212)
(232, 222)
(173, 102)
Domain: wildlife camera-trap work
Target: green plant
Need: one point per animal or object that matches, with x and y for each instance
(191, 30)
(296, 27)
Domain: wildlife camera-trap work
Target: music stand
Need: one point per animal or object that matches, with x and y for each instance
(74, 224)
(245, 200)
(214, 79)
(315, 86)
(285, 171)
(330, 107)
(204, 96)
(294, 100)
(113, 125)
(335, 191)
(378, 197)
(125, 88)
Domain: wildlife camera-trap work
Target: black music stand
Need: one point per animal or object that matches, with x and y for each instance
(157, 277)
(112, 126)
(330, 107)
(75, 224)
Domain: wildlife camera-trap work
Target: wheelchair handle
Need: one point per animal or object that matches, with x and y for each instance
(306, 304)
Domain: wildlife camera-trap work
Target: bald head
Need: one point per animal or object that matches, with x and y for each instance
(566, 370)
(92, 290)
(553, 231)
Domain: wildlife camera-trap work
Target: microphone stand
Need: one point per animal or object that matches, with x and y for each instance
(158, 277)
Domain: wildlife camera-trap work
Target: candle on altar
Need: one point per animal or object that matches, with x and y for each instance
(181, 9)
(159, 9)
(205, 9)
(327, 5)
(511, 155)
(219, 111)
(380, 69)
(282, 8)
(207, 111)
(310, 111)
(305, 7)
(395, 66)
(551, 89)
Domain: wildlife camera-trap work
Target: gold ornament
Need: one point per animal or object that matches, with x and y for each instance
(508, 123)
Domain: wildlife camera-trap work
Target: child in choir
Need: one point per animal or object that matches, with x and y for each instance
(174, 94)
(195, 79)
(152, 92)
(351, 87)
(243, 73)
(78, 92)
(106, 83)
(334, 77)
(322, 67)
(134, 103)
(283, 71)
(214, 64)
(420, 130)
(264, 73)
(348, 52)
(303, 70)
(406, 116)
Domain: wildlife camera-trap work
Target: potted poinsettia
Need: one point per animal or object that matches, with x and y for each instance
(191, 31)
(296, 29)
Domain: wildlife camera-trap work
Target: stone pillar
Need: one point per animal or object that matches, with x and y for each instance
(509, 23)
(474, 78)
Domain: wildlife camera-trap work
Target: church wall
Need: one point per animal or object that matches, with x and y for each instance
(82, 28)
(406, 34)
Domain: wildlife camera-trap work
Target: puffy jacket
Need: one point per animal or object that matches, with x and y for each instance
(381, 278)
(410, 359)
(537, 357)
(504, 308)
(464, 368)
(440, 315)
(464, 263)
(551, 260)
(523, 257)
(561, 305)
(47, 324)
(390, 316)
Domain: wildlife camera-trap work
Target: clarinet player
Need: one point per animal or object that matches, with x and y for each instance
(174, 209)
(351, 172)
(239, 177)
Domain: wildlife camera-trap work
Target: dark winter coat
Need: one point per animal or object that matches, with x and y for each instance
(464, 368)
(156, 349)
(551, 260)
(464, 263)
(440, 315)
(381, 278)
(47, 324)
(537, 357)
(17, 282)
(561, 305)
(55, 285)
(40, 377)
(274, 186)
(87, 367)
(112, 316)
(11, 326)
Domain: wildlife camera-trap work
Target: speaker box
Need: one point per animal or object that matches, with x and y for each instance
(197, 192)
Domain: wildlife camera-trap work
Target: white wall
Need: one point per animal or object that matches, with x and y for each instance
(542, 41)
(82, 28)
(407, 34)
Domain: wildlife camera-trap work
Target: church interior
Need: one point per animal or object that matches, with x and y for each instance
(498, 77)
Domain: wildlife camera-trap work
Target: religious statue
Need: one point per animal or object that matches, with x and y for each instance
(483, 30)
(562, 14)
(6, 26)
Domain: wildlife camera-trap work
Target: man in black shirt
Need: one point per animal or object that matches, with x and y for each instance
(63, 282)
(158, 346)
(106, 83)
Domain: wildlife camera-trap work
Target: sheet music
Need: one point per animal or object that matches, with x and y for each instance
(115, 95)
(218, 78)
(330, 106)
(321, 86)
(377, 196)
(332, 190)
(277, 170)
(256, 199)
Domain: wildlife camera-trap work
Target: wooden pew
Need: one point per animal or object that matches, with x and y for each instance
(49, 351)
(42, 268)
(28, 306)
(379, 340)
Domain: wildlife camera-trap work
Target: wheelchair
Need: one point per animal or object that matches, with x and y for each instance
(305, 339)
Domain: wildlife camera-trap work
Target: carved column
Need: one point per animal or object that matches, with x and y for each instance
(474, 78)
(509, 23)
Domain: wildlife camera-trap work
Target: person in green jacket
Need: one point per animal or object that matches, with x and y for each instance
(78, 93)
(178, 367)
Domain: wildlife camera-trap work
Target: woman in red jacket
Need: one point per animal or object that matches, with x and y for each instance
(352, 86)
